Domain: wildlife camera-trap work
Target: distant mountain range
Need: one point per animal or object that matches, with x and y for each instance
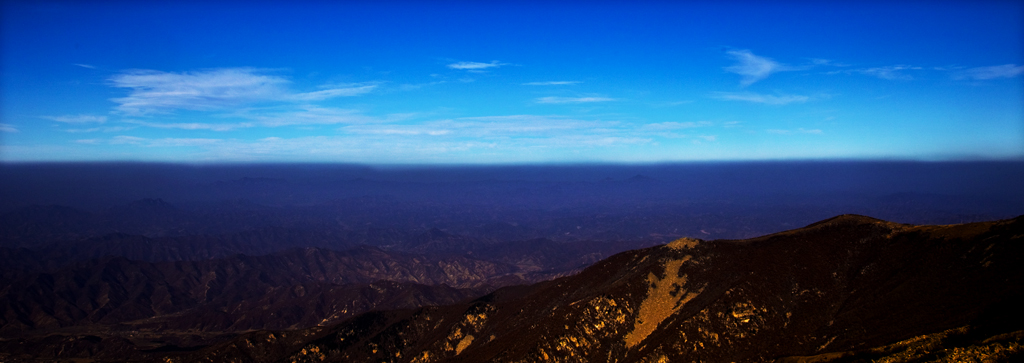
(41, 204)
(850, 288)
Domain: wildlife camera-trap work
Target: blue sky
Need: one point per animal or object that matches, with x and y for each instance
(408, 82)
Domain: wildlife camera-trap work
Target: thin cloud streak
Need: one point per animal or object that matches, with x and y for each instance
(991, 72)
(475, 65)
(573, 99)
(797, 131)
(313, 115)
(306, 116)
(100, 129)
(489, 126)
(760, 98)
(334, 92)
(124, 139)
(78, 119)
(193, 125)
(676, 125)
(148, 142)
(891, 73)
(551, 83)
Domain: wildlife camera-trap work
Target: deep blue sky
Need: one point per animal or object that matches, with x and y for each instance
(461, 82)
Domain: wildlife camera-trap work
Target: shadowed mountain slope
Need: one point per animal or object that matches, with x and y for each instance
(843, 287)
(847, 289)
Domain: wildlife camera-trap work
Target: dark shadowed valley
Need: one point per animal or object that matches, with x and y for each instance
(714, 262)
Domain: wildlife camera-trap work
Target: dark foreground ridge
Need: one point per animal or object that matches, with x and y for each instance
(846, 289)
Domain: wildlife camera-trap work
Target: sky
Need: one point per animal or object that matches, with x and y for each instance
(510, 82)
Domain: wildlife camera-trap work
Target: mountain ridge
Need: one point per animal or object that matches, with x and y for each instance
(732, 312)
(848, 287)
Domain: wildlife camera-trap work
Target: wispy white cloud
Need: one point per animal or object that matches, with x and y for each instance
(593, 140)
(475, 66)
(822, 62)
(675, 125)
(551, 83)
(674, 130)
(358, 148)
(155, 91)
(573, 99)
(752, 67)
(411, 86)
(760, 98)
(755, 68)
(100, 129)
(124, 139)
(398, 130)
(161, 142)
(489, 126)
(85, 65)
(535, 130)
(7, 128)
(161, 92)
(528, 124)
(307, 115)
(171, 142)
(313, 115)
(797, 131)
(352, 90)
(194, 125)
(892, 73)
(889, 72)
(991, 72)
(78, 119)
